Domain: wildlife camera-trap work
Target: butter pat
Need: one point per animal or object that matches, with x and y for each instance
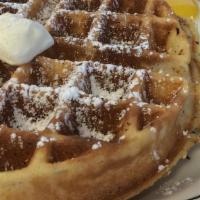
(21, 39)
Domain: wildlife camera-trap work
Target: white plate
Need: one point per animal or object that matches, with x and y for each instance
(182, 184)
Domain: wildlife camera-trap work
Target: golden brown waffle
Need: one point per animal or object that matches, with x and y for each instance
(106, 111)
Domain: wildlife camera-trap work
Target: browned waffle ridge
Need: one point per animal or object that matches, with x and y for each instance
(106, 111)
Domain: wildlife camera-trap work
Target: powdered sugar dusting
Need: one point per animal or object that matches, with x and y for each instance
(45, 13)
(92, 88)
(96, 145)
(85, 132)
(43, 140)
(29, 123)
(98, 91)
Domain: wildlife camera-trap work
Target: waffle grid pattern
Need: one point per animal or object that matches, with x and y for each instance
(120, 32)
(113, 60)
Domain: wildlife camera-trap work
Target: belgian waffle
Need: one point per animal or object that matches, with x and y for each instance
(111, 102)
